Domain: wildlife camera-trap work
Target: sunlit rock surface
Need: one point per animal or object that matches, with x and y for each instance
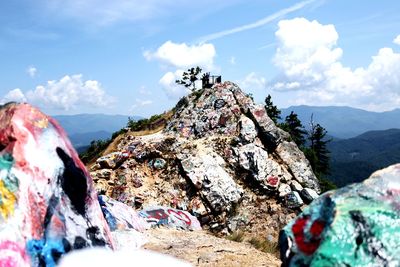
(220, 158)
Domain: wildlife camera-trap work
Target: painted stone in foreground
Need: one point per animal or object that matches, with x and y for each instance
(179, 219)
(358, 225)
(120, 216)
(48, 205)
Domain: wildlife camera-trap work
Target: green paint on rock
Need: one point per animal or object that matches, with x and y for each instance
(361, 226)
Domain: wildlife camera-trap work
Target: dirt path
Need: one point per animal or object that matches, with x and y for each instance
(202, 249)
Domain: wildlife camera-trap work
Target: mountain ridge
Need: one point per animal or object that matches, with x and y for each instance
(354, 159)
(345, 122)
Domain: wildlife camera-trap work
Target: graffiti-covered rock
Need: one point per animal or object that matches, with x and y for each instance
(206, 171)
(48, 205)
(120, 216)
(358, 225)
(220, 158)
(178, 219)
(248, 131)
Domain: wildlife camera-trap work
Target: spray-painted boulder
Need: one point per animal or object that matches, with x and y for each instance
(48, 205)
(358, 225)
(120, 216)
(174, 218)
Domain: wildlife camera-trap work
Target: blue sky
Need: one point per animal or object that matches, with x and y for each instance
(122, 56)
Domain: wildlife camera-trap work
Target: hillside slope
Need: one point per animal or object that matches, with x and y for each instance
(354, 159)
(83, 128)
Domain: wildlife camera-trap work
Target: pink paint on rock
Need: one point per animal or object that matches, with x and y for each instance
(12, 254)
(49, 184)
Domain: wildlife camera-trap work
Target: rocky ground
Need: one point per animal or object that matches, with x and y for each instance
(202, 249)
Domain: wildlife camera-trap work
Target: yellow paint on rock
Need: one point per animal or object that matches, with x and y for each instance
(7, 201)
(43, 123)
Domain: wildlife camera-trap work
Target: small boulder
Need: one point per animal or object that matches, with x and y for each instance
(308, 195)
(293, 200)
(296, 186)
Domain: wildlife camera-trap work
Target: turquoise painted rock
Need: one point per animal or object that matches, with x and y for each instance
(358, 225)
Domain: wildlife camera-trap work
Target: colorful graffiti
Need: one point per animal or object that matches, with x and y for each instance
(120, 216)
(47, 205)
(8, 186)
(12, 254)
(170, 217)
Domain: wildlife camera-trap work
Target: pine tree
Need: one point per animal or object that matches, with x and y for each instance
(318, 154)
(272, 111)
(294, 127)
(318, 143)
(190, 77)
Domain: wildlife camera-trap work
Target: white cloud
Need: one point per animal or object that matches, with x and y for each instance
(253, 82)
(397, 40)
(173, 90)
(15, 95)
(31, 71)
(141, 103)
(183, 55)
(309, 63)
(257, 23)
(232, 60)
(180, 56)
(65, 94)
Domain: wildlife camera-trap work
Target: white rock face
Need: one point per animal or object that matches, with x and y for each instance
(248, 130)
(207, 172)
(263, 169)
(298, 164)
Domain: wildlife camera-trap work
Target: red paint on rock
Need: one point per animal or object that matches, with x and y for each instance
(305, 245)
(259, 112)
(273, 180)
(180, 215)
(317, 228)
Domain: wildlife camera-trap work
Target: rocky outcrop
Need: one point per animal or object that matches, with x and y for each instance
(48, 205)
(358, 225)
(220, 157)
(206, 171)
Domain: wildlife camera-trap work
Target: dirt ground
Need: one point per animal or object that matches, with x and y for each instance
(202, 249)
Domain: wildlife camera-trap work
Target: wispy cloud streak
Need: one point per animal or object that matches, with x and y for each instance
(258, 23)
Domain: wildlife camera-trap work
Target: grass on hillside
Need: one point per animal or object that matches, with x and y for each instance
(237, 236)
(142, 127)
(264, 245)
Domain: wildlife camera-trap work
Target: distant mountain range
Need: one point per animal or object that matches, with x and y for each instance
(83, 128)
(346, 122)
(354, 159)
(362, 141)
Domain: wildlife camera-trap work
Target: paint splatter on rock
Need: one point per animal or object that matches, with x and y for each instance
(358, 225)
(48, 205)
